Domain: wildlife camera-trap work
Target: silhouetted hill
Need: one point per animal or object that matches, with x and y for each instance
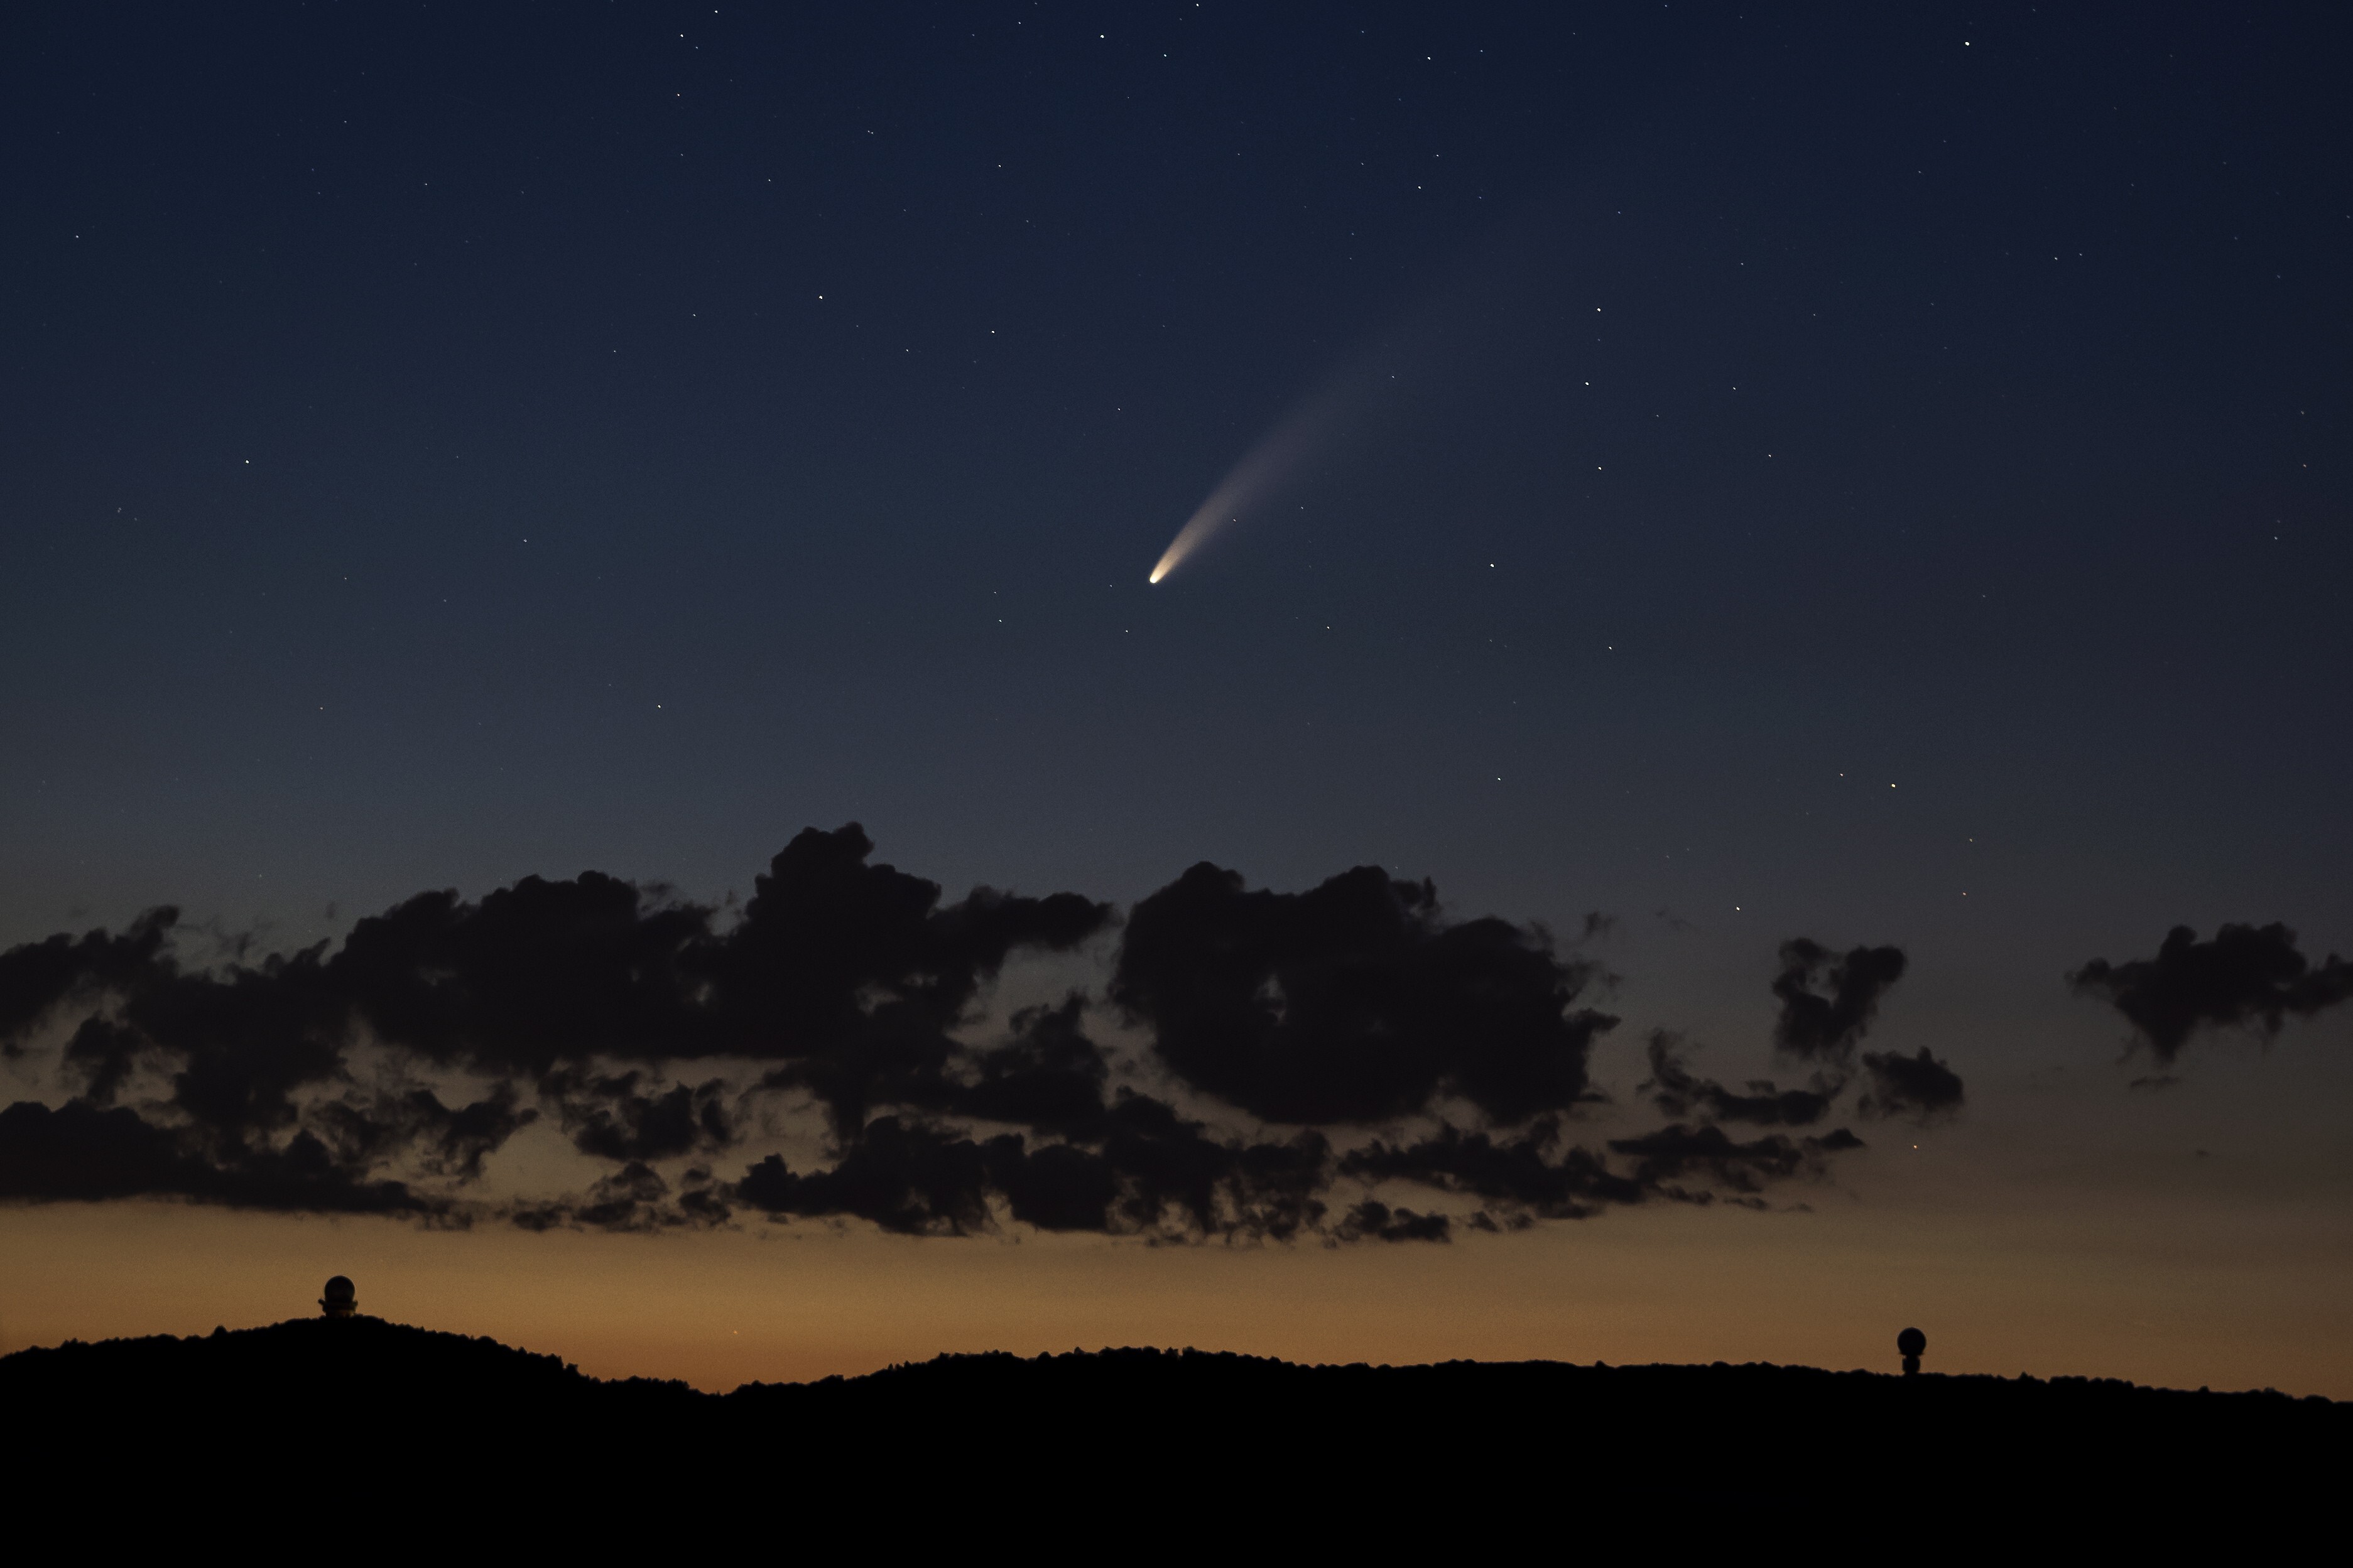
(312, 1400)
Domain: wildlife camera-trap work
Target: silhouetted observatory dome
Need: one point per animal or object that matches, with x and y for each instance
(342, 1299)
(1909, 1345)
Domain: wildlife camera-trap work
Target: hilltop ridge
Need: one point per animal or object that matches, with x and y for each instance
(316, 1392)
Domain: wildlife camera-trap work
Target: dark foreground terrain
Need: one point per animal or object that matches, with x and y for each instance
(323, 1409)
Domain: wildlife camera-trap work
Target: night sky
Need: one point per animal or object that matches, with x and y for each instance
(1721, 480)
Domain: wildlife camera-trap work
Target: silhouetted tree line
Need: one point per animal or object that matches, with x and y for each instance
(322, 1403)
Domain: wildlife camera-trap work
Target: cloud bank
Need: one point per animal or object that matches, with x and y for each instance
(1281, 1065)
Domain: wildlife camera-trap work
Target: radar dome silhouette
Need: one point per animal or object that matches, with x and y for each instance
(342, 1299)
(1909, 1345)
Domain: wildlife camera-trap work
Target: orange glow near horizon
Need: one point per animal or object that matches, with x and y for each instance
(2154, 1293)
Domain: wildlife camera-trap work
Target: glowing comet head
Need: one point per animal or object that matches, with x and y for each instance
(1196, 528)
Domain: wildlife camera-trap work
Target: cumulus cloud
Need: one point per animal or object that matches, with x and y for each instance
(1919, 1087)
(1353, 1001)
(1373, 1220)
(1047, 1075)
(80, 1152)
(1679, 1092)
(38, 976)
(105, 1053)
(634, 1198)
(1665, 1161)
(1146, 1171)
(2247, 977)
(1829, 999)
(626, 1116)
(443, 1140)
(1534, 1171)
(845, 976)
(1540, 1173)
(655, 1035)
(842, 977)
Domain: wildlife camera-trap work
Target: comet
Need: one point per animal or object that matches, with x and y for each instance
(1307, 430)
(1474, 321)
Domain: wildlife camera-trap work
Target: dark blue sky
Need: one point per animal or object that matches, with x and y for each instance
(443, 445)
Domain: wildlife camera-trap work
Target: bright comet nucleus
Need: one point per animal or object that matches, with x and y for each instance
(1196, 528)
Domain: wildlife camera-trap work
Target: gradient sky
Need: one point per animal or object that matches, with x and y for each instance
(1876, 474)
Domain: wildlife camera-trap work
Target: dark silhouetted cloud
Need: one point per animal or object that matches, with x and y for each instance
(1918, 1085)
(39, 976)
(1539, 1173)
(847, 975)
(633, 1198)
(647, 1029)
(80, 1152)
(842, 976)
(1827, 999)
(902, 1175)
(1666, 1159)
(2249, 977)
(622, 1117)
(1057, 1186)
(1373, 1220)
(1148, 1171)
(1678, 1092)
(1047, 1076)
(444, 1141)
(1182, 1179)
(854, 974)
(1534, 1171)
(104, 1053)
(1353, 1002)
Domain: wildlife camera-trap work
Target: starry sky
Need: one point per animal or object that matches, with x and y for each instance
(1876, 475)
